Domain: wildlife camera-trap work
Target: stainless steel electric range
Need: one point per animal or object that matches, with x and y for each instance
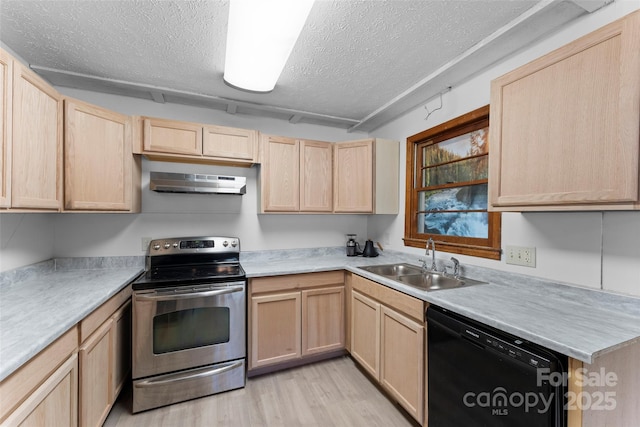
(189, 330)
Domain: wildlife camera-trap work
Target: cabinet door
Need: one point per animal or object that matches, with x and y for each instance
(121, 348)
(322, 320)
(280, 174)
(353, 177)
(316, 176)
(402, 360)
(275, 328)
(37, 142)
(169, 136)
(230, 143)
(54, 403)
(98, 158)
(96, 376)
(365, 333)
(6, 90)
(564, 128)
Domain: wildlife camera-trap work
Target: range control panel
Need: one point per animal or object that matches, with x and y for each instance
(187, 245)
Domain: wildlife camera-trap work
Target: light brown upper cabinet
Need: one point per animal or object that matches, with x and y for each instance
(36, 143)
(564, 128)
(366, 176)
(230, 143)
(296, 175)
(170, 136)
(280, 179)
(170, 140)
(316, 176)
(99, 172)
(6, 89)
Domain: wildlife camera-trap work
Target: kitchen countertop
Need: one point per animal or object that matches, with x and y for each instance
(578, 322)
(39, 303)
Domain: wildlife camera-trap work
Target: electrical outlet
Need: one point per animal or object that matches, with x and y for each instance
(145, 243)
(519, 255)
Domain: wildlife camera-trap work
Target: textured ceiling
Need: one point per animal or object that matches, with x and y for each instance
(353, 58)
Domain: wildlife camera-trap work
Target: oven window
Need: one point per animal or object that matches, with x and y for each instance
(192, 328)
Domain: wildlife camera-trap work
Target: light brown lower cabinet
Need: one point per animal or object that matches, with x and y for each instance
(44, 391)
(402, 360)
(322, 320)
(69, 385)
(275, 328)
(54, 403)
(95, 378)
(365, 333)
(387, 340)
(104, 362)
(295, 317)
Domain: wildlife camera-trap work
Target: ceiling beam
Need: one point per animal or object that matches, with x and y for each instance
(157, 97)
(592, 5)
(89, 82)
(536, 22)
(295, 119)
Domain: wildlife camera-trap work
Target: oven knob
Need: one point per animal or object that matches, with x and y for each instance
(225, 243)
(234, 243)
(167, 245)
(175, 245)
(156, 246)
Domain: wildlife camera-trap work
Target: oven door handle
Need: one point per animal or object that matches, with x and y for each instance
(180, 376)
(177, 297)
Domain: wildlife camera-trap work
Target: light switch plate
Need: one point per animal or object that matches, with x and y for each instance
(521, 255)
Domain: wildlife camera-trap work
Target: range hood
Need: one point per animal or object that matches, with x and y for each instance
(167, 182)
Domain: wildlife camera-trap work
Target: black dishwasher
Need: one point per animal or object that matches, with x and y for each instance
(479, 376)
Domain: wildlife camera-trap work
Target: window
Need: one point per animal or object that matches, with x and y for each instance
(447, 184)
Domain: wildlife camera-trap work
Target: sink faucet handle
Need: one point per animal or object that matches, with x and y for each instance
(456, 267)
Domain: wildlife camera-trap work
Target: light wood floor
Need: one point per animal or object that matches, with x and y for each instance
(329, 393)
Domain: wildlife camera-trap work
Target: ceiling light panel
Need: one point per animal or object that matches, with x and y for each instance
(261, 35)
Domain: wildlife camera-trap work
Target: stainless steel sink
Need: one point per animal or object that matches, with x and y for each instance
(393, 270)
(435, 281)
(412, 275)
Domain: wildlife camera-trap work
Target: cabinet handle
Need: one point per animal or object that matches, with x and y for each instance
(178, 297)
(180, 376)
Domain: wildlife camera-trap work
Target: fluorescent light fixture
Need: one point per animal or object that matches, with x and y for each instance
(260, 38)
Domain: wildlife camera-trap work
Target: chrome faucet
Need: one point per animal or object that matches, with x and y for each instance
(456, 268)
(433, 254)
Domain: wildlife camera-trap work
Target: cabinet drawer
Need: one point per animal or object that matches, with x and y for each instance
(102, 313)
(260, 285)
(390, 297)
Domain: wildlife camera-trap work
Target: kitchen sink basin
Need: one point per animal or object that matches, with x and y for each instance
(435, 281)
(393, 270)
(412, 275)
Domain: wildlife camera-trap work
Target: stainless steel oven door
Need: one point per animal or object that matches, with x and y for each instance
(186, 327)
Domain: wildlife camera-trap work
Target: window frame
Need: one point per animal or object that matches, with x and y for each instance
(485, 248)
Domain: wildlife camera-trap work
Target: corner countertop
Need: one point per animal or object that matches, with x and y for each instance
(578, 322)
(40, 303)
